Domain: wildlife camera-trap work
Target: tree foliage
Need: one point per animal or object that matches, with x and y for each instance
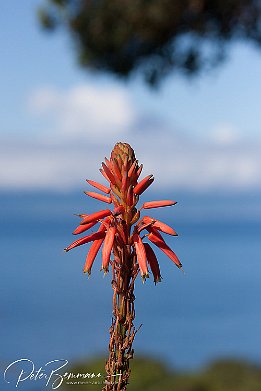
(153, 37)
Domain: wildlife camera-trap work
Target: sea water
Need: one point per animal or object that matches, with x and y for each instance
(51, 310)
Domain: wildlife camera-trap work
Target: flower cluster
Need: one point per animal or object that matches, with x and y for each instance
(122, 226)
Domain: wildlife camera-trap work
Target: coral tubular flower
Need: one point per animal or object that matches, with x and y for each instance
(116, 169)
(98, 196)
(124, 249)
(164, 228)
(109, 174)
(159, 225)
(94, 249)
(96, 216)
(124, 181)
(98, 186)
(139, 171)
(132, 168)
(107, 247)
(143, 185)
(157, 239)
(130, 196)
(141, 255)
(153, 262)
(158, 204)
(104, 174)
(85, 227)
(85, 239)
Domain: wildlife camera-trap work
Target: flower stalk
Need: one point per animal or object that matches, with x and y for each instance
(124, 250)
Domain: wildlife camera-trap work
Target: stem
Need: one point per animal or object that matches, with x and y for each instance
(122, 330)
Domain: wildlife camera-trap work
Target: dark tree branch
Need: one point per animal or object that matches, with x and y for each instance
(153, 37)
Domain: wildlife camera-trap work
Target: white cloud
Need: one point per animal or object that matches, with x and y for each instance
(88, 121)
(43, 166)
(95, 113)
(225, 134)
(185, 162)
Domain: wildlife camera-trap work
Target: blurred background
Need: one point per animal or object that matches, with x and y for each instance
(150, 80)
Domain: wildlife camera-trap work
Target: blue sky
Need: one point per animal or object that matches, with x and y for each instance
(58, 122)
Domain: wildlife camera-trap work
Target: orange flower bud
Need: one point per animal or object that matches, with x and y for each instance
(132, 168)
(141, 255)
(109, 174)
(95, 247)
(159, 225)
(98, 196)
(107, 247)
(158, 204)
(104, 174)
(124, 183)
(98, 186)
(85, 239)
(130, 196)
(115, 169)
(164, 228)
(139, 171)
(156, 238)
(125, 164)
(108, 163)
(96, 216)
(85, 227)
(153, 262)
(143, 185)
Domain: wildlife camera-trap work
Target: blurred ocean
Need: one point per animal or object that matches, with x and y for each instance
(50, 310)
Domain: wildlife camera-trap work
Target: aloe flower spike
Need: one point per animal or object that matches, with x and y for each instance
(123, 249)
